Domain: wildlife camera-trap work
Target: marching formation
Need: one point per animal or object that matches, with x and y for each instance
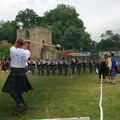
(62, 66)
(106, 67)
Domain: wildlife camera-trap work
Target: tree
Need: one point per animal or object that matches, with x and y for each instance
(67, 28)
(8, 31)
(93, 45)
(107, 35)
(64, 15)
(4, 50)
(76, 38)
(28, 18)
(56, 35)
(116, 38)
(109, 41)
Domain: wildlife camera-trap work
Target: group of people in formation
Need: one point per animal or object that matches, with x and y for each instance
(62, 66)
(105, 66)
(108, 68)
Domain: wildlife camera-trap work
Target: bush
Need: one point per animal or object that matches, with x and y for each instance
(4, 50)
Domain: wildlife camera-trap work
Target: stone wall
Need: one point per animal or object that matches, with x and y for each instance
(39, 35)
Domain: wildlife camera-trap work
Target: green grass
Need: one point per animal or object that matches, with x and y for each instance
(64, 96)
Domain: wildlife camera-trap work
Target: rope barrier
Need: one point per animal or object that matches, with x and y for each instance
(101, 98)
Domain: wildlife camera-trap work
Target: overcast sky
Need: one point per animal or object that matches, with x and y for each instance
(97, 15)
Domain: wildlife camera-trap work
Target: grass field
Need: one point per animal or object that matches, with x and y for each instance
(64, 96)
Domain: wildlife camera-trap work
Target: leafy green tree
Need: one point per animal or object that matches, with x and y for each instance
(56, 35)
(116, 38)
(93, 45)
(68, 29)
(64, 15)
(109, 41)
(76, 38)
(28, 18)
(107, 35)
(105, 45)
(8, 31)
(4, 50)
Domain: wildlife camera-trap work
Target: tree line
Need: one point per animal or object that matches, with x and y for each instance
(67, 27)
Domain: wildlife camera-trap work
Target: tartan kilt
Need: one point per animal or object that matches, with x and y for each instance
(17, 81)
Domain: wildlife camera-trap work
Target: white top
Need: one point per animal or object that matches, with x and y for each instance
(109, 63)
(18, 57)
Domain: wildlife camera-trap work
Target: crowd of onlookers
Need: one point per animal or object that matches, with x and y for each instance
(106, 66)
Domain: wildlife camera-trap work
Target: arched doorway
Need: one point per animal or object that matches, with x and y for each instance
(27, 35)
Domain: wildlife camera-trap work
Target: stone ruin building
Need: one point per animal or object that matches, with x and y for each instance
(40, 35)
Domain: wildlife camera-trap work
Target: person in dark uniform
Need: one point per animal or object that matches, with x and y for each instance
(60, 66)
(29, 65)
(84, 66)
(65, 66)
(73, 66)
(78, 66)
(38, 66)
(3, 65)
(42, 66)
(53, 66)
(47, 67)
(17, 81)
(7, 65)
(90, 66)
(102, 69)
(33, 66)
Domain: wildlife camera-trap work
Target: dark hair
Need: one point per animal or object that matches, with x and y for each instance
(20, 41)
(105, 55)
(112, 54)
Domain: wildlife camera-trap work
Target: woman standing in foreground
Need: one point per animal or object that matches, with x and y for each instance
(17, 81)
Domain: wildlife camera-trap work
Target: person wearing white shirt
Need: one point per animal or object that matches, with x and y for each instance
(17, 81)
